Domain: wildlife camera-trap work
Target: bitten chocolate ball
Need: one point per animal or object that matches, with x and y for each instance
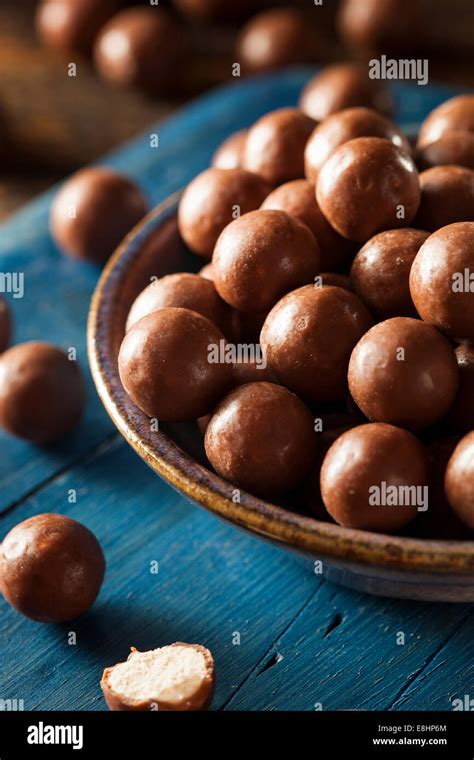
(442, 280)
(381, 270)
(344, 126)
(403, 372)
(342, 85)
(261, 256)
(5, 324)
(51, 568)
(142, 48)
(275, 145)
(188, 291)
(454, 114)
(212, 200)
(278, 37)
(455, 148)
(261, 438)
(461, 413)
(459, 480)
(41, 392)
(447, 196)
(69, 25)
(229, 153)
(308, 338)
(375, 477)
(93, 212)
(169, 365)
(297, 198)
(368, 185)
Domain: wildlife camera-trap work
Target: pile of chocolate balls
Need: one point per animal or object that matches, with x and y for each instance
(353, 276)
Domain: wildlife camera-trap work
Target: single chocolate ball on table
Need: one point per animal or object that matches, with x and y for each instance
(261, 438)
(368, 185)
(459, 480)
(297, 198)
(403, 372)
(380, 272)
(229, 153)
(72, 25)
(212, 200)
(461, 413)
(93, 212)
(342, 85)
(441, 280)
(362, 468)
(344, 126)
(51, 568)
(261, 256)
(275, 145)
(455, 148)
(278, 37)
(143, 48)
(308, 338)
(41, 392)
(447, 196)
(5, 324)
(165, 365)
(454, 114)
(185, 290)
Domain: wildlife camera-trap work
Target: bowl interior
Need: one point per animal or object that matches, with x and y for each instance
(153, 249)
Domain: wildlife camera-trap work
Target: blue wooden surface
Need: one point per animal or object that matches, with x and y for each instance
(282, 637)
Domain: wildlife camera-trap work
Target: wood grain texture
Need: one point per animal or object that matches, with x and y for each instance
(338, 648)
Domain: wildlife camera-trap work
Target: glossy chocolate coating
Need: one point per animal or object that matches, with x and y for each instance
(403, 372)
(454, 114)
(185, 290)
(455, 148)
(381, 270)
(459, 480)
(441, 281)
(342, 85)
(365, 457)
(41, 392)
(5, 324)
(143, 48)
(206, 272)
(51, 568)
(309, 336)
(298, 199)
(278, 37)
(447, 196)
(440, 521)
(261, 256)
(229, 153)
(261, 438)
(365, 185)
(461, 413)
(344, 126)
(164, 365)
(214, 10)
(337, 279)
(212, 200)
(72, 25)
(275, 145)
(93, 212)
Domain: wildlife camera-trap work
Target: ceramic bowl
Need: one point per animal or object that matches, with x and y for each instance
(393, 566)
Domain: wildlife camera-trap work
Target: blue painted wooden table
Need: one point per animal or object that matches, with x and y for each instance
(282, 637)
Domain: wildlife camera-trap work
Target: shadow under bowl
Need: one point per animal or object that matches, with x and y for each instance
(404, 567)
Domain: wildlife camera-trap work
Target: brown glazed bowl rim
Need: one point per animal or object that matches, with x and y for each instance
(301, 533)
